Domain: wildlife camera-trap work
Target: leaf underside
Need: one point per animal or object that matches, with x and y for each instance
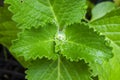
(80, 43)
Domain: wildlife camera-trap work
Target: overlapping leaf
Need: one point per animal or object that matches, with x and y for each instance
(35, 13)
(8, 30)
(34, 43)
(109, 25)
(83, 43)
(80, 42)
(60, 69)
(101, 9)
(111, 70)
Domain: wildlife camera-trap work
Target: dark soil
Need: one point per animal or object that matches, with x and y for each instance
(10, 69)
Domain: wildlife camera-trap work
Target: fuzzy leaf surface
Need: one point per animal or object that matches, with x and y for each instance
(33, 43)
(30, 13)
(60, 69)
(8, 29)
(80, 43)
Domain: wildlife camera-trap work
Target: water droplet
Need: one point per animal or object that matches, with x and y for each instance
(61, 36)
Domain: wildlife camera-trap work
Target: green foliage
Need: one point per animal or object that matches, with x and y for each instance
(55, 42)
(60, 69)
(34, 43)
(101, 9)
(40, 12)
(8, 28)
(109, 25)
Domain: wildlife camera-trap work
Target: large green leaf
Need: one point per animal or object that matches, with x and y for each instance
(60, 69)
(83, 43)
(8, 29)
(109, 25)
(29, 13)
(34, 43)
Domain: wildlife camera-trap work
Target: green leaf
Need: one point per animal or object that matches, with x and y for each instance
(75, 42)
(109, 25)
(8, 29)
(101, 9)
(83, 43)
(111, 70)
(34, 43)
(29, 13)
(60, 69)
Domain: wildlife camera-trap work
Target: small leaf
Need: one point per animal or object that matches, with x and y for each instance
(37, 13)
(36, 43)
(60, 69)
(102, 9)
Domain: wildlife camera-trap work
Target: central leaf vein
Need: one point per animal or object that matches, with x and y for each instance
(51, 7)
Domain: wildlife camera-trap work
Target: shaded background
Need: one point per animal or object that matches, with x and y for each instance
(10, 69)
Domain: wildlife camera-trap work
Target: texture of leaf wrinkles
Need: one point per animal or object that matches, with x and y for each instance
(8, 29)
(83, 43)
(36, 43)
(35, 13)
(79, 42)
(60, 69)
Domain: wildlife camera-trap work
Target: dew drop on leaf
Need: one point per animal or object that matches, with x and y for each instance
(61, 36)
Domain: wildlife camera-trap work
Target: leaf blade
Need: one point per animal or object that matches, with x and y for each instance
(109, 25)
(83, 43)
(8, 29)
(85, 38)
(40, 12)
(36, 43)
(66, 70)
